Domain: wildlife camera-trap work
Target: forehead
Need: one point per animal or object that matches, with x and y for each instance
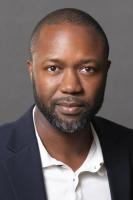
(68, 37)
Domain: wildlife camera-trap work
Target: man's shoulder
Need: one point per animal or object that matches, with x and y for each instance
(5, 131)
(22, 123)
(111, 133)
(111, 126)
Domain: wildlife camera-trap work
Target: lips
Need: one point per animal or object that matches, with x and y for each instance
(69, 108)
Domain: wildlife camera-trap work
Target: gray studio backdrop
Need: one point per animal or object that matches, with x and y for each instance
(17, 19)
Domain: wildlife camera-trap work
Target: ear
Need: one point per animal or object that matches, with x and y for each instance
(108, 64)
(30, 67)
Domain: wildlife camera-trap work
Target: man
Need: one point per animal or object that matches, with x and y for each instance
(59, 149)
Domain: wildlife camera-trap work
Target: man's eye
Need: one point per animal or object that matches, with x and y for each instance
(89, 70)
(53, 68)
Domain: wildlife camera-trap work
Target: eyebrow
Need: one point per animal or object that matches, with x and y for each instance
(85, 60)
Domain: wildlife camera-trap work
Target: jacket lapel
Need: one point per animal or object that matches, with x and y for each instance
(24, 166)
(116, 158)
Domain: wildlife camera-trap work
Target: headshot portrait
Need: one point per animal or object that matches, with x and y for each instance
(65, 138)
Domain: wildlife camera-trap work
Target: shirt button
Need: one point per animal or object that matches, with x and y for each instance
(73, 179)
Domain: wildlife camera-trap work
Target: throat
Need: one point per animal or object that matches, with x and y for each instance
(70, 149)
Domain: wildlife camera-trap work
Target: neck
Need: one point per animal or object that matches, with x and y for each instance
(71, 149)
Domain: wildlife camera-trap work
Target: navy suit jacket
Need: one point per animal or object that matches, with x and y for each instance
(21, 175)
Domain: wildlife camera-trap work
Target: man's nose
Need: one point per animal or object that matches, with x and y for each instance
(71, 83)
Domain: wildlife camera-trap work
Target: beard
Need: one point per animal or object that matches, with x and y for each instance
(69, 126)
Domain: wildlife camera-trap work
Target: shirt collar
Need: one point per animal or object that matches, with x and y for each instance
(93, 162)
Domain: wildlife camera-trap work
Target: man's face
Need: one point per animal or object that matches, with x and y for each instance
(68, 71)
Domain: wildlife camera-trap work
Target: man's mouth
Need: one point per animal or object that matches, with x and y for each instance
(69, 108)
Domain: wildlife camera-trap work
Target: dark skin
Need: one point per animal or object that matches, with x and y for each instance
(67, 60)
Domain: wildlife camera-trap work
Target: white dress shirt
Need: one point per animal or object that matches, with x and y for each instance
(89, 182)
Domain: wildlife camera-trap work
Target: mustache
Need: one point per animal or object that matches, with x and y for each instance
(69, 100)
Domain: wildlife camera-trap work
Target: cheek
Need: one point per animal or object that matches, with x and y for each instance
(94, 88)
(46, 86)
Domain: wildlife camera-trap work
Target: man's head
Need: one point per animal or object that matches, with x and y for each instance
(68, 68)
(68, 16)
